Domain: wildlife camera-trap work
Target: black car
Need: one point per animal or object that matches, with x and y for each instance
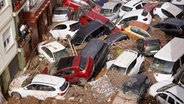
(92, 30)
(136, 85)
(172, 26)
(115, 37)
(99, 51)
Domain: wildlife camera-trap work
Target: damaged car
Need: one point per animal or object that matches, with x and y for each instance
(74, 69)
(40, 86)
(133, 90)
(52, 50)
(128, 62)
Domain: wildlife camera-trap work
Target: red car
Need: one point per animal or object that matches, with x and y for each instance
(75, 69)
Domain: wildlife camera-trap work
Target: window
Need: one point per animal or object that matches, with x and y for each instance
(82, 64)
(131, 66)
(144, 13)
(168, 26)
(47, 51)
(116, 8)
(7, 39)
(64, 86)
(162, 95)
(138, 6)
(60, 27)
(65, 73)
(75, 26)
(128, 19)
(171, 100)
(127, 9)
(167, 13)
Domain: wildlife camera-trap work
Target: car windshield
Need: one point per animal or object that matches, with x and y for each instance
(82, 64)
(64, 86)
(59, 54)
(166, 87)
(122, 69)
(106, 11)
(127, 9)
(129, 91)
(60, 11)
(162, 65)
(47, 51)
(27, 81)
(153, 42)
(180, 15)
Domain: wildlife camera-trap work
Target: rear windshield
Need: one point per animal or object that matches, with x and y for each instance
(162, 65)
(153, 42)
(82, 63)
(65, 62)
(60, 11)
(64, 86)
(122, 69)
(75, 26)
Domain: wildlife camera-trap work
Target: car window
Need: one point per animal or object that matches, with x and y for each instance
(138, 6)
(82, 64)
(128, 19)
(168, 26)
(167, 13)
(127, 9)
(75, 26)
(163, 96)
(159, 25)
(98, 32)
(131, 66)
(32, 87)
(154, 42)
(58, 11)
(65, 73)
(65, 62)
(47, 51)
(139, 31)
(144, 4)
(180, 15)
(170, 100)
(64, 86)
(116, 8)
(60, 27)
(182, 79)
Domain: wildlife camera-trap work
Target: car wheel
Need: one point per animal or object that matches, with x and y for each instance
(82, 81)
(16, 95)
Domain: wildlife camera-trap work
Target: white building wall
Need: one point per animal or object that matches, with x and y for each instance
(8, 45)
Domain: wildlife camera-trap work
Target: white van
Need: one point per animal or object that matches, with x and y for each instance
(169, 59)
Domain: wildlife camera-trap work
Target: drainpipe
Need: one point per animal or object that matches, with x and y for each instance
(21, 58)
(6, 79)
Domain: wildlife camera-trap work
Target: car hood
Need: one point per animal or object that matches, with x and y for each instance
(153, 89)
(163, 77)
(17, 82)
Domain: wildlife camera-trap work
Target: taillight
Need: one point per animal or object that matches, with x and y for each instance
(145, 19)
(144, 44)
(61, 94)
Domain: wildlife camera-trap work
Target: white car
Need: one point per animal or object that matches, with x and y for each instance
(129, 62)
(52, 50)
(139, 15)
(40, 86)
(131, 5)
(167, 92)
(63, 29)
(60, 14)
(111, 10)
(167, 10)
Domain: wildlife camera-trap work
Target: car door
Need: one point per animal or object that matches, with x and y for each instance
(33, 90)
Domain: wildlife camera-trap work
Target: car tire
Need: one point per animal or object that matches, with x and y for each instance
(16, 95)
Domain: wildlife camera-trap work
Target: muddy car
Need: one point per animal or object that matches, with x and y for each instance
(133, 90)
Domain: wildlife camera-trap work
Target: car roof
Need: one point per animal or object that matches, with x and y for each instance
(88, 29)
(177, 91)
(48, 79)
(109, 5)
(67, 22)
(132, 3)
(133, 13)
(53, 46)
(171, 8)
(92, 47)
(172, 51)
(135, 82)
(125, 58)
(174, 21)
